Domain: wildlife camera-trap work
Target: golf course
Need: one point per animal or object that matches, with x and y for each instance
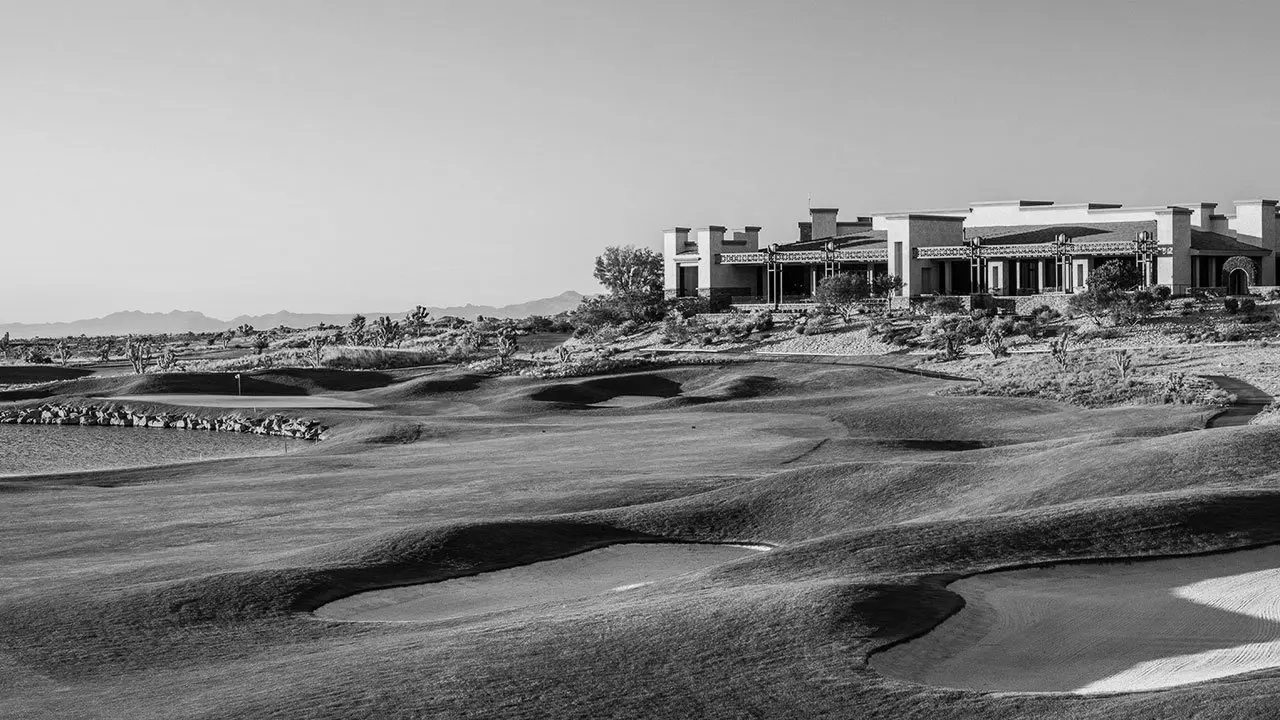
(750, 539)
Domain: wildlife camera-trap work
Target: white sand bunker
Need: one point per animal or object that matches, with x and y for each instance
(616, 568)
(1103, 628)
(627, 401)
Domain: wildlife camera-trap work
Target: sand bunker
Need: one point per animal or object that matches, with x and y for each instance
(1091, 628)
(246, 401)
(627, 401)
(616, 568)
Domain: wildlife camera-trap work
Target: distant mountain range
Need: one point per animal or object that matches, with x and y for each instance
(181, 321)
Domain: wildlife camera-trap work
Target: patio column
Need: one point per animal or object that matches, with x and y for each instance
(1040, 276)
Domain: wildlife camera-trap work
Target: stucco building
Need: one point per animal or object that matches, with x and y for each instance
(1013, 248)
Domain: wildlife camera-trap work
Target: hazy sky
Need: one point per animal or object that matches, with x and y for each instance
(250, 156)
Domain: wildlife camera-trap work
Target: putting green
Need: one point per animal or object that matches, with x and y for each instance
(616, 568)
(1101, 628)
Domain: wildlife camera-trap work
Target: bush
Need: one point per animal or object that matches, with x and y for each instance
(1161, 292)
(1248, 305)
(1231, 305)
(690, 306)
(842, 293)
(944, 305)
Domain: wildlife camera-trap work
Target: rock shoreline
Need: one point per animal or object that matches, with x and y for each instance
(92, 415)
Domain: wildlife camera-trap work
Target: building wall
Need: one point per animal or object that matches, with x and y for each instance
(1173, 227)
(915, 231)
(1255, 224)
(673, 243)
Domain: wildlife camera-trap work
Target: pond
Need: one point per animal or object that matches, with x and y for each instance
(245, 401)
(32, 449)
(612, 569)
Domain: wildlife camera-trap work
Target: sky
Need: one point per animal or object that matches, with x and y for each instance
(248, 156)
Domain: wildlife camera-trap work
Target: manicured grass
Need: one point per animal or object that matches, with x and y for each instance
(185, 592)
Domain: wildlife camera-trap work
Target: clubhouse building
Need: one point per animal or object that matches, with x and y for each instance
(1020, 248)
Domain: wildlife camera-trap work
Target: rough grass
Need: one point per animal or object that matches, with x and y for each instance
(183, 592)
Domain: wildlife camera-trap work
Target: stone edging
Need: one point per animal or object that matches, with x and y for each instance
(91, 415)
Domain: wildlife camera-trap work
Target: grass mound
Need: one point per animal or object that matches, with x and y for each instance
(185, 591)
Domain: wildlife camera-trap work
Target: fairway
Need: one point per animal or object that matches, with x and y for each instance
(227, 588)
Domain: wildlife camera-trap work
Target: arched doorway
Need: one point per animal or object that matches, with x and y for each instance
(1238, 282)
(1238, 273)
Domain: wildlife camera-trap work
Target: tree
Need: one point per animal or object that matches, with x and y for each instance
(63, 349)
(842, 293)
(245, 330)
(1114, 277)
(416, 321)
(317, 344)
(884, 285)
(388, 331)
(260, 343)
(633, 277)
(356, 329)
(629, 271)
(104, 349)
(168, 359)
(1108, 296)
(507, 345)
(138, 350)
(5, 345)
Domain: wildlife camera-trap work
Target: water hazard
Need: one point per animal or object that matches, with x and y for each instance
(31, 449)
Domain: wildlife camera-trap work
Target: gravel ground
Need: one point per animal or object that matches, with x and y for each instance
(846, 342)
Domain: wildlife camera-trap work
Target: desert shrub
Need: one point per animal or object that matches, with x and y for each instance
(944, 305)
(690, 306)
(37, 355)
(818, 324)
(1233, 332)
(1161, 292)
(677, 329)
(949, 336)
(894, 333)
(1231, 305)
(1272, 294)
(366, 358)
(981, 313)
(761, 320)
(994, 337)
(1248, 305)
(629, 327)
(1059, 350)
(1102, 333)
(1090, 384)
